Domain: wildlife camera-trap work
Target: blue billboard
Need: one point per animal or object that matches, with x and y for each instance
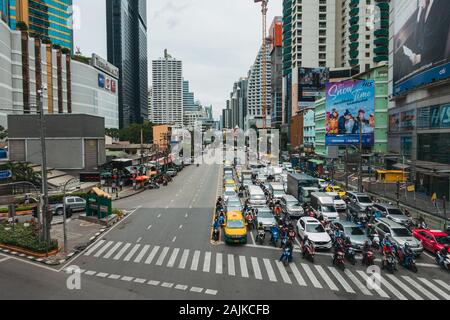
(101, 80)
(350, 112)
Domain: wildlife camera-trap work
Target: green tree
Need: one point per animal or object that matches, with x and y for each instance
(3, 133)
(133, 133)
(22, 171)
(113, 133)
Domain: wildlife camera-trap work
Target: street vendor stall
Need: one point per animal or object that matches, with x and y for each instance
(98, 204)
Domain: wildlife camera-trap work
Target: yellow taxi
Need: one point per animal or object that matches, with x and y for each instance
(235, 230)
(337, 190)
(230, 184)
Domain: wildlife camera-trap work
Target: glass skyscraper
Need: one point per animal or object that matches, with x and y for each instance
(127, 49)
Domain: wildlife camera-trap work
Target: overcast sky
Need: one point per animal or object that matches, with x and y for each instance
(217, 40)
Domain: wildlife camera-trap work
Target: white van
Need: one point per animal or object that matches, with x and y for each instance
(339, 204)
(323, 204)
(277, 190)
(257, 198)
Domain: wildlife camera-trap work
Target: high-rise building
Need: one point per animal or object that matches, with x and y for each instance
(255, 115)
(50, 20)
(127, 49)
(364, 34)
(150, 103)
(189, 103)
(276, 55)
(167, 91)
(238, 103)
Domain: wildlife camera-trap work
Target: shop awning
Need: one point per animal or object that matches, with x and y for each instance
(401, 166)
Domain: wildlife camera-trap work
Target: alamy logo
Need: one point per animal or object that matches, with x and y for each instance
(73, 282)
(374, 278)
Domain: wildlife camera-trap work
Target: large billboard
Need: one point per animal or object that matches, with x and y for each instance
(350, 112)
(314, 79)
(421, 43)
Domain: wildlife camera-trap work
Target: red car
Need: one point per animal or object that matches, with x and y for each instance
(432, 240)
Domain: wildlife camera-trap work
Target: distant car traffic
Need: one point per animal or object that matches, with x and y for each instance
(312, 228)
(266, 217)
(357, 236)
(73, 204)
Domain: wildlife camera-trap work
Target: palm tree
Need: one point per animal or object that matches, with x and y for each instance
(22, 171)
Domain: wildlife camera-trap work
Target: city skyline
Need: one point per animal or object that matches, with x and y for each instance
(219, 53)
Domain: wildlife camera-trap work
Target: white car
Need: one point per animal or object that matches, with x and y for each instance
(315, 232)
(339, 204)
(323, 183)
(229, 192)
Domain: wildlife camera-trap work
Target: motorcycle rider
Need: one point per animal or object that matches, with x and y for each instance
(387, 250)
(260, 229)
(338, 247)
(365, 251)
(443, 254)
(273, 229)
(408, 254)
(307, 243)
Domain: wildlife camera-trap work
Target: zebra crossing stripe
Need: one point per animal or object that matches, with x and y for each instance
(327, 279)
(162, 256)
(132, 252)
(195, 260)
(435, 288)
(392, 289)
(256, 269)
(152, 255)
(283, 272)
(219, 266)
(173, 258)
(122, 251)
(311, 276)
(142, 254)
(184, 259)
(243, 263)
(443, 284)
(341, 280)
(103, 249)
(111, 252)
(231, 269)
(358, 283)
(297, 275)
(404, 287)
(269, 270)
(420, 288)
(378, 290)
(207, 262)
(94, 247)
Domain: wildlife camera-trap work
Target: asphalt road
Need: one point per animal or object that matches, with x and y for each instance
(163, 251)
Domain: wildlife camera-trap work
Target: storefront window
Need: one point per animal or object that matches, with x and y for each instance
(434, 147)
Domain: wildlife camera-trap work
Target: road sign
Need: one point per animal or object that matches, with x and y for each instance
(90, 177)
(5, 174)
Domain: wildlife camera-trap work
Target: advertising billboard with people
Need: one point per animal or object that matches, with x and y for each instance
(421, 43)
(350, 113)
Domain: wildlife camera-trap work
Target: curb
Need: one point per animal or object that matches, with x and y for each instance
(51, 262)
(129, 196)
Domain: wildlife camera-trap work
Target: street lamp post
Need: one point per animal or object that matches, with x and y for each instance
(64, 212)
(360, 180)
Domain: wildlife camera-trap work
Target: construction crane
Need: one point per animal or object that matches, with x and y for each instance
(264, 6)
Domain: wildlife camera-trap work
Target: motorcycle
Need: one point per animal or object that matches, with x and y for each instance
(286, 258)
(250, 220)
(284, 241)
(215, 235)
(261, 237)
(446, 262)
(291, 235)
(407, 262)
(309, 252)
(375, 241)
(368, 259)
(339, 260)
(391, 264)
(350, 255)
(153, 185)
(275, 237)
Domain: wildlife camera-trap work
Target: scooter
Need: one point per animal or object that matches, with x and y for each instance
(390, 264)
(215, 235)
(407, 262)
(284, 241)
(368, 259)
(339, 260)
(350, 255)
(309, 252)
(446, 263)
(261, 237)
(286, 258)
(275, 237)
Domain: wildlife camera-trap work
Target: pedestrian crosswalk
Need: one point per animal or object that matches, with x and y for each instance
(298, 273)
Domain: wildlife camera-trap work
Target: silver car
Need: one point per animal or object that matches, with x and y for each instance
(234, 204)
(266, 217)
(398, 234)
(357, 236)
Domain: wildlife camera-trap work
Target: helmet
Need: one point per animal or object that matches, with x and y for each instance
(260, 224)
(406, 245)
(387, 236)
(306, 238)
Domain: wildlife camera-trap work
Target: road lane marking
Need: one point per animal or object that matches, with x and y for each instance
(211, 292)
(139, 240)
(442, 283)
(243, 264)
(159, 216)
(162, 256)
(420, 288)
(341, 280)
(207, 262)
(256, 268)
(180, 227)
(297, 275)
(141, 281)
(404, 287)
(153, 283)
(195, 260)
(435, 288)
(181, 287)
(196, 289)
(122, 251)
(152, 255)
(219, 261)
(167, 285)
(392, 289)
(380, 291)
(231, 269)
(127, 279)
(111, 252)
(114, 277)
(132, 252)
(269, 270)
(172, 258)
(94, 247)
(358, 283)
(326, 278)
(174, 239)
(103, 249)
(184, 259)
(311, 276)
(149, 227)
(253, 238)
(141, 254)
(284, 274)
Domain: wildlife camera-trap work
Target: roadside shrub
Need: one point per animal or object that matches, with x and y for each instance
(24, 238)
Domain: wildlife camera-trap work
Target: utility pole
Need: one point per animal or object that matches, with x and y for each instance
(46, 219)
(360, 179)
(346, 167)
